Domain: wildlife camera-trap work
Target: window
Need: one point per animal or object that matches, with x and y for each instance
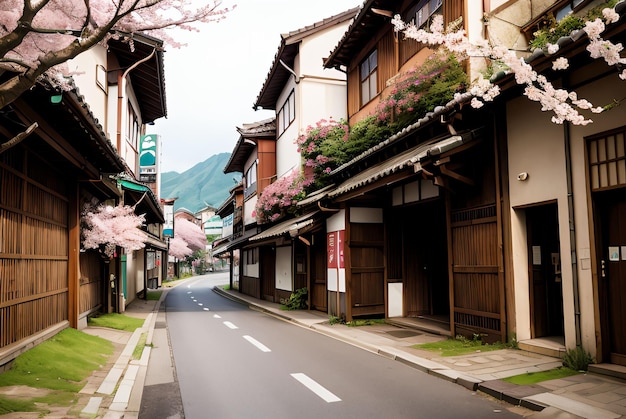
(286, 114)
(368, 77)
(567, 9)
(132, 131)
(425, 10)
(251, 262)
(251, 178)
(607, 159)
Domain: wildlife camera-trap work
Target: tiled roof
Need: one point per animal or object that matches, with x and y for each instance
(287, 52)
(246, 144)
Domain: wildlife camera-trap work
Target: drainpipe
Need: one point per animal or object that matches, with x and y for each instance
(295, 76)
(572, 231)
(120, 97)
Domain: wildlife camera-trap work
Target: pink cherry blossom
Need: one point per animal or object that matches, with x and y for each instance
(109, 227)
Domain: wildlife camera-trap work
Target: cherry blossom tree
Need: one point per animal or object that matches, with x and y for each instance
(106, 227)
(564, 105)
(188, 238)
(38, 37)
(179, 248)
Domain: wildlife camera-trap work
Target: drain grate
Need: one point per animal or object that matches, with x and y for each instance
(403, 333)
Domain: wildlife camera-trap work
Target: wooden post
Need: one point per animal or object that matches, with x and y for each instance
(73, 262)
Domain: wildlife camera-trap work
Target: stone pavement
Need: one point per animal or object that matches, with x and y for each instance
(586, 395)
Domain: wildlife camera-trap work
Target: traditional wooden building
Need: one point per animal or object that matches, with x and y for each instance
(420, 211)
(275, 260)
(47, 282)
(67, 158)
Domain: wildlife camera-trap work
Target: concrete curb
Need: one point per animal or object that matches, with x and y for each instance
(134, 402)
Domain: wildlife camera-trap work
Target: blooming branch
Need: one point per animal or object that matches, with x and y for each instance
(110, 227)
(565, 105)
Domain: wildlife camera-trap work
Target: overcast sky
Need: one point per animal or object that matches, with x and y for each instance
(212, 83)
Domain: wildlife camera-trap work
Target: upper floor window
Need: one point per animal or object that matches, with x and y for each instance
(251, 178)
(425, 10)
(287, 113)
(567, 9)
(368, 77)
(132, 131)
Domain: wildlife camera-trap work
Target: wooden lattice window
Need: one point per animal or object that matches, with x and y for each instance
(607, 160)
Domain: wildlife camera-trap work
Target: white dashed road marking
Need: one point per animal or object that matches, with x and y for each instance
(316, 388)
(230, 325)
(257, 343)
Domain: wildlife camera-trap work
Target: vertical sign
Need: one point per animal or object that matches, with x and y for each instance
(148, 158)
(340, 234)
(168, 225)
(331, 250)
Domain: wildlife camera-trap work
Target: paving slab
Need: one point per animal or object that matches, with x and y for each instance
(572, 406)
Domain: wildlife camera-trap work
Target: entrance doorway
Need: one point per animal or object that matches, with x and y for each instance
(546, 290)
(426, 283)
(611, 217)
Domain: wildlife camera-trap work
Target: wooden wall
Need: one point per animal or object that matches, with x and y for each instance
(91, 282)
(34, 205)
(366, 270)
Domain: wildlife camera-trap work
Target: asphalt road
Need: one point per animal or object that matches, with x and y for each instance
(233, 362)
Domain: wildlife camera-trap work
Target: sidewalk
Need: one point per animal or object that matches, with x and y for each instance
(581, 396)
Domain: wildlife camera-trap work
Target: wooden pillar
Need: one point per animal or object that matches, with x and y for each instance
(73, 259)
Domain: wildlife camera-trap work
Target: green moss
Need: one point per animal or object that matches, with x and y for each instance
(76, 355)
(116, 321)
(537, 377)
(460, 346)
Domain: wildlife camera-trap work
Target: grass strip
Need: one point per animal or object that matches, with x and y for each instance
(459, 346)
(60, 363)
(537, 377)
(116, 321)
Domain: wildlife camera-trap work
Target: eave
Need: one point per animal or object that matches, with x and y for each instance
(359, 33)
(148, 78)
(287, 51)
(249, 135)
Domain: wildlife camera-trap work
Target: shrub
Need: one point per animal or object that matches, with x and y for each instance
(296, 301)
(577, 359)
(278, 199)
(553, 30)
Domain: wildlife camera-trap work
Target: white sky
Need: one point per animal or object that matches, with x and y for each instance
(212, 83)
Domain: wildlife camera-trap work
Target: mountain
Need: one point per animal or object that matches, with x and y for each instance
(204, 184)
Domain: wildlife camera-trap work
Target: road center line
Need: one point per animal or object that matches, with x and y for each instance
(316, 388)
(230, 325)
(257, 343)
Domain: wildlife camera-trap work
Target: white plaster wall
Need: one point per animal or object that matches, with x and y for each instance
(600, 93)
(314, 48)
(325, 99)
(536, 146)
(366, 215)
(336, 221)
(320, 94)
(250, 203)
(85, 78)
(287, 156)
(283, 269)
(248, 208)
